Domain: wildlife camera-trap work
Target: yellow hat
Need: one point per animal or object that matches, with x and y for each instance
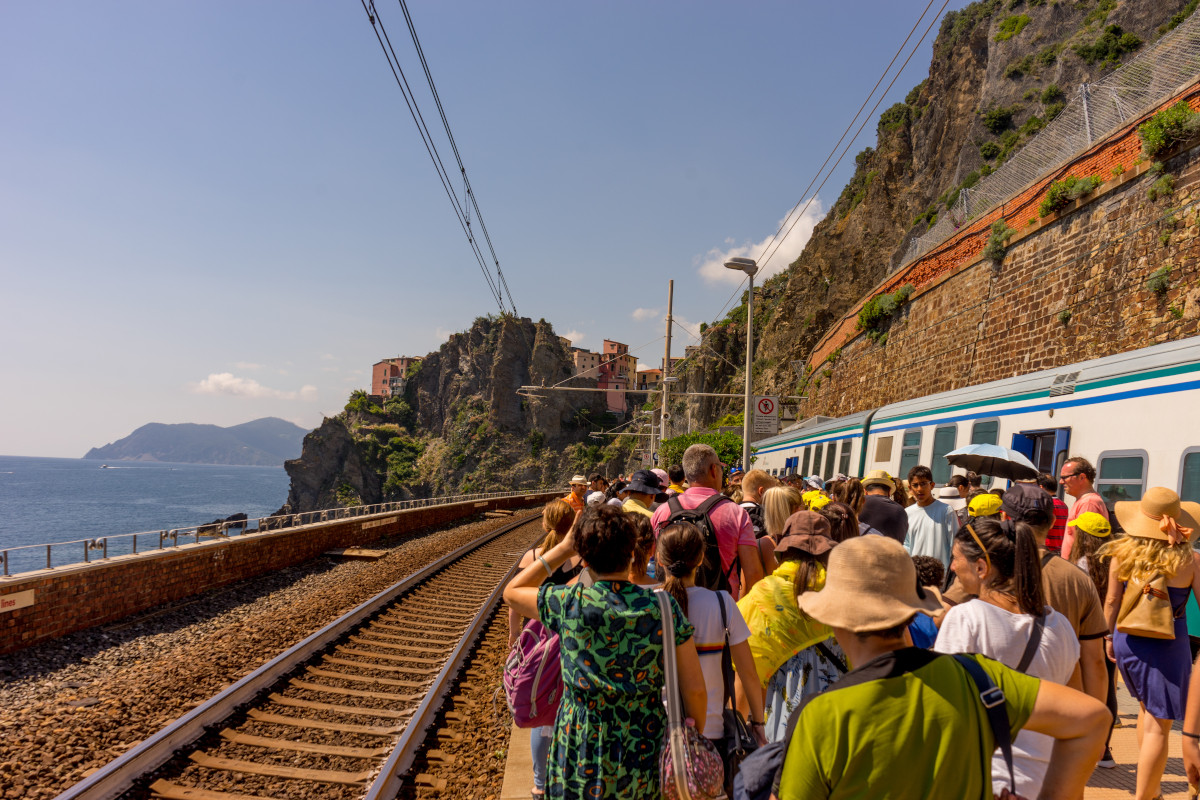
(984, 505)
(818, 501)
(1093, 523)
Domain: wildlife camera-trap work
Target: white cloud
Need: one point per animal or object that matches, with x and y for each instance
(642, 314)
(248, 365)
(711, 265)
(328, 357)
(575, 336)
(229, 384)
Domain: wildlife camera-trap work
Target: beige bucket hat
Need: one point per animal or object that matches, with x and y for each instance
(1160, 514)
(870, 585)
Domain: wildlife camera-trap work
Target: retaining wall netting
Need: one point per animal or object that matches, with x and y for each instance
(80, 596)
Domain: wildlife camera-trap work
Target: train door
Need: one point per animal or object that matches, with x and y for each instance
(1045, 447)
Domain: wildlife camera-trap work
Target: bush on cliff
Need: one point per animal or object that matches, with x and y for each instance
(1063, 192)
(1167, 128)
(727, 445)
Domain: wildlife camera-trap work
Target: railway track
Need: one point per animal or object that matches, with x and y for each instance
(340, 715)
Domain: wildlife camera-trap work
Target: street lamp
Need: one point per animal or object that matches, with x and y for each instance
(750, 267)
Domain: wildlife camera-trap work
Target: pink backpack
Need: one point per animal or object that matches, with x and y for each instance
(533, 677)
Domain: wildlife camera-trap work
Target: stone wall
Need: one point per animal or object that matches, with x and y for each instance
(1117, 153)
(1071, 287)
(79, 596)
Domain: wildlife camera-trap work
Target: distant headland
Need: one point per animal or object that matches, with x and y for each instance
(266, 442)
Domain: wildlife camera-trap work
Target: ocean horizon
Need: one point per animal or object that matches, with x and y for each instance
(49, 500)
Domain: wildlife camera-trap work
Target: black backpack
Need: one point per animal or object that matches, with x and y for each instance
(710, 575)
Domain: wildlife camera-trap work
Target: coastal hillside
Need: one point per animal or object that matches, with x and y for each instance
(461, 426)
(266, 442)
(1001, 69)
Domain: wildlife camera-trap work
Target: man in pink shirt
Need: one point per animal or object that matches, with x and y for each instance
(1077, 478)
(735, 535)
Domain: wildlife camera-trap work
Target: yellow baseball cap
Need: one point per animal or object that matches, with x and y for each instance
(817, 500)
(984, 505)
(1093, 523)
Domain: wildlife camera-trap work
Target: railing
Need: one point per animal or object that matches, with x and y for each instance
(27, 557)
(1156, 74)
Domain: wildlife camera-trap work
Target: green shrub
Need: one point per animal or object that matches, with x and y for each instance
(894, 118)
(1167, 128)
(1162, 187)
(989, 150)
(1054, 109)
(1064, 316)
(1176, 311)
(537, 440)
(360, 402)
(914, 93)
(1063, 192)
(1178, 19)
(969, 181)
(998, 119)
(1109, 48)
(995, 249)
(1048, 55)
(1159, 281)
(1032, 125)
(1018, 69)
(1052, 94)
(877, 311)
(1010, 27)
(727, 445)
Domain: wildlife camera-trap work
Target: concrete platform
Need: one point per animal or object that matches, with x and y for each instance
(1105, 784)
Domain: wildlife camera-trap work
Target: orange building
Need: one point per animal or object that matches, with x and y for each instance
(388, 377)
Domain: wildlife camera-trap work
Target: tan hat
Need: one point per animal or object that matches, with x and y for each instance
(807, 531)
(870, 585)
(579, 479)
(1159, 515)
(880, 478)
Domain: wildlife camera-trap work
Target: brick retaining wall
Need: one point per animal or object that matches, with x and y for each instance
(79, 596)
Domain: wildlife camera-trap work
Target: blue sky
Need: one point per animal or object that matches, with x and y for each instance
(216, 211)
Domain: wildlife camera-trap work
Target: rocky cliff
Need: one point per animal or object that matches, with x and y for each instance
(1000, 70)
(461, 426)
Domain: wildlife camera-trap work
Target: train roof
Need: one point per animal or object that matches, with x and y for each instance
(1157, 360)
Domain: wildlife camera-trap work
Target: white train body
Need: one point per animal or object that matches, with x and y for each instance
(1135, 416)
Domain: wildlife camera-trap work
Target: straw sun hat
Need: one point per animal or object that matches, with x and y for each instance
(871, 585)
(1159, 515)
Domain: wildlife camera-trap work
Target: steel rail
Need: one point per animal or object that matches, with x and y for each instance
(118, 776)
(387, 783)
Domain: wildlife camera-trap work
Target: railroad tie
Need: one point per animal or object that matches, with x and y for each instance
(303, 747)
(322, 725)
(346, 676)
(426, 662)
(173, 791)
(362, 711)
(320, 687)
(425, 780)
(277, 771)
(439, 757)
(349, 651)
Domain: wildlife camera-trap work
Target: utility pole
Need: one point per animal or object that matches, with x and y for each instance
(666, 372)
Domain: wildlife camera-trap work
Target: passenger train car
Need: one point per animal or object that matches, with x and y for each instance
(1135, 416)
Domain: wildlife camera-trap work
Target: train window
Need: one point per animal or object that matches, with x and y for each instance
(1189, 475)
(816, 462)
(1121, 475)
(944, 439)
(844, 459)
(807, 453)
(985, 431)
(883, 448)
(830, 455)
(910, 452)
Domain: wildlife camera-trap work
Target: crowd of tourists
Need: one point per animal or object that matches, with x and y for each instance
(863, 637)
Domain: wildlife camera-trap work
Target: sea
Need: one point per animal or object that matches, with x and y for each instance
(51, 500)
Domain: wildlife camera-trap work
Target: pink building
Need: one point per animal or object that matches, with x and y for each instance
(389, 376)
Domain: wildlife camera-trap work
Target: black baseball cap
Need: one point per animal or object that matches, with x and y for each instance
(1028, 502)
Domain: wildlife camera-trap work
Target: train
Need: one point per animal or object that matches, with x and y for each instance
(1135, 416)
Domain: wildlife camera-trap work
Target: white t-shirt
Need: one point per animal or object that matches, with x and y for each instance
(931, 531)
(979, 627)
(709, 637)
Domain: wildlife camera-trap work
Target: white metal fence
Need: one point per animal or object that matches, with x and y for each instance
(27, 558)
(1154, 75)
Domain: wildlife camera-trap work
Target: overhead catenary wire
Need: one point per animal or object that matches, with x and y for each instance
(393, 60)
(764, 259)
(850, 125)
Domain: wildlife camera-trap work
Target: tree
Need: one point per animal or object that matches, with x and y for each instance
(727, 445)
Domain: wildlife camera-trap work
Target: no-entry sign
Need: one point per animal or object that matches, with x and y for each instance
(766, 415)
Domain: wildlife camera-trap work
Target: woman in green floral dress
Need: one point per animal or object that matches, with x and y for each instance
(612, 721)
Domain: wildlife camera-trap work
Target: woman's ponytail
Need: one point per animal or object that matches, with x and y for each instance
(1027, 571)
(680, 552)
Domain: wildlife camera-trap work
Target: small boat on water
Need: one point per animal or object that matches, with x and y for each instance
(104, 466)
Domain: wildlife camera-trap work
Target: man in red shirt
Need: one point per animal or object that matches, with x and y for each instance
(735, 535)
(1077, 478)
(1054, 539)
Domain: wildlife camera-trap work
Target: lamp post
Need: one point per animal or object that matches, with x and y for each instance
(750, 267)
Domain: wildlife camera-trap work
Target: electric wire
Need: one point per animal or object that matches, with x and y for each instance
(853, 119)
(468, 191)
(862, 125)
(389, 53)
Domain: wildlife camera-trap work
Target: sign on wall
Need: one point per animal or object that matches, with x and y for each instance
(766, 416)
(11, 602)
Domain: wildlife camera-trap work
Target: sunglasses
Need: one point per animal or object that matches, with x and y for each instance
(1072, 475)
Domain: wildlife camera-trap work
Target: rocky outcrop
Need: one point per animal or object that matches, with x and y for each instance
(462, 426)
(986, 95)
(266, 442)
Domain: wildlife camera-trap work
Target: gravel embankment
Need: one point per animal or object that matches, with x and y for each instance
(69, 706)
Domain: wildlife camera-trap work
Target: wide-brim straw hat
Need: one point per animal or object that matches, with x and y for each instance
(1147, 518)
(870, 585)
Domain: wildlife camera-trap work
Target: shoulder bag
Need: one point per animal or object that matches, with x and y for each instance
(739, 740)
(689, 767)
(1035, 638)
(995, 707)
(1146, 609)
